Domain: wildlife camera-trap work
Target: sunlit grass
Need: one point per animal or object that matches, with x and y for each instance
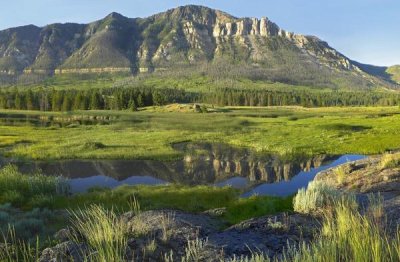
(149, 135)
(348, 235)
(103, 231)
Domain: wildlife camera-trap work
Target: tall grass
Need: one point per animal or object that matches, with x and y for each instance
(29, 190)
(103, 231)
(13, 249)
(349, 232)
(348, 235)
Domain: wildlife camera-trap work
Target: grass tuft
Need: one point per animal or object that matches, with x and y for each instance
(194, 250)
(340, 172)
(103, 231)
(390, 161)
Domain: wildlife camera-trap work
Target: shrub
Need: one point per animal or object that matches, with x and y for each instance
(4, 218)
(317, 196)
(12, 196)
(93, 145)
(26, 225)
(41, 201)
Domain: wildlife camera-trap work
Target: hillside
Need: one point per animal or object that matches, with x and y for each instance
(192, 37)
(394, 72)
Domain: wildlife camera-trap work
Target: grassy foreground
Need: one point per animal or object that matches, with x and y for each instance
(348, 232)
(149, 134)
(42, 197)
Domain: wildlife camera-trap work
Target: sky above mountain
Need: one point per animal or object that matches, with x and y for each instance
(365, 30)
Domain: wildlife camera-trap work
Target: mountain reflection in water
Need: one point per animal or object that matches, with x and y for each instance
(202, 164)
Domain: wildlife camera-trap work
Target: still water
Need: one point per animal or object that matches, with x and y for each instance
(201, 164)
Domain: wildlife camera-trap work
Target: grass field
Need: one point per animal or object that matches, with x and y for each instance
(149, 133)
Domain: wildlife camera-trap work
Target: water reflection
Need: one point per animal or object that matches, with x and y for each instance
(53, 121)
(301, 180)
(201, 164)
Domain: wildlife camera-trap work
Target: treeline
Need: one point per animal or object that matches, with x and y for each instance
(133, 98)
(91, 99)
(231, 97)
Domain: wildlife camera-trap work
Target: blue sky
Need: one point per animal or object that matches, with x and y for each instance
(364, 30)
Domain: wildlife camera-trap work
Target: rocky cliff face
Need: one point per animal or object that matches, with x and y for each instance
(247, 26)
(188, 35)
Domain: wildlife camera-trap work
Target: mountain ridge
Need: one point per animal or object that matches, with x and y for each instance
(184, 36)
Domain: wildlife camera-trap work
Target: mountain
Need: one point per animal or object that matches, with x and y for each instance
(188, 36)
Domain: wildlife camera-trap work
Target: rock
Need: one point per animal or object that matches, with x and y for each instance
(245, 27)
(67, 251)
(251, 235)
(156, 233)
(255, 235)
(63, 235)
(196, 106)
(217, 212)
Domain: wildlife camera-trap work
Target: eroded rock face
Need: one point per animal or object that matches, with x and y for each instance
(246, 26)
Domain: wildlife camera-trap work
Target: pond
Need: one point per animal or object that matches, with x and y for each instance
(201, 164)
(64, 120)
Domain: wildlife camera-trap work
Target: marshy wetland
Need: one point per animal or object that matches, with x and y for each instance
(241, 147)
(234, 163)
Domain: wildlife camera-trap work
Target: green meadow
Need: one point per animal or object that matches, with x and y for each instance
(151, 132)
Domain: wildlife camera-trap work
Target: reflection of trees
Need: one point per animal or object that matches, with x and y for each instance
(202, 164)
(267, 171)
(223, 162)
